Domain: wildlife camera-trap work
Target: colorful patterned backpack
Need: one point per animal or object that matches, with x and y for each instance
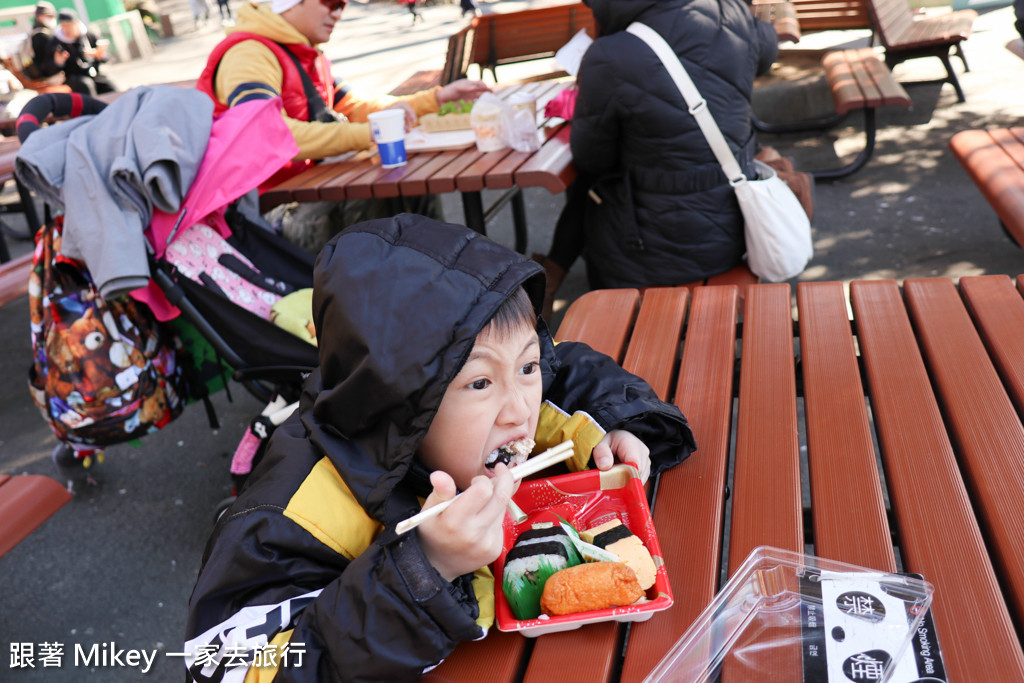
(103, 372)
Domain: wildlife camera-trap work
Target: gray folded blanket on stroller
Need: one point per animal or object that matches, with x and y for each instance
(108, 171)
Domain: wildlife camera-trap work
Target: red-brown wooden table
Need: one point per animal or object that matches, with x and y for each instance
(467, 171)
(909, 438)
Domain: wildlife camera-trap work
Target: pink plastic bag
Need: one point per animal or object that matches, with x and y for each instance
(563, 105)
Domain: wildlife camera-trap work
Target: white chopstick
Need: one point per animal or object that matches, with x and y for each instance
(559, 453)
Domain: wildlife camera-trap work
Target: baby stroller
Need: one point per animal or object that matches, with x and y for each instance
(268, 360)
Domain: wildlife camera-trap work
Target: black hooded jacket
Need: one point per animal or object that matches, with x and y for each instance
(667, 214)
(309, 546)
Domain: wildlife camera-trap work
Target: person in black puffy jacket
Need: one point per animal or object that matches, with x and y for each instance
(432, 356)
(651, 204)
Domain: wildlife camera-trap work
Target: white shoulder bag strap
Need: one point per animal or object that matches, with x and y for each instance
(698, 106)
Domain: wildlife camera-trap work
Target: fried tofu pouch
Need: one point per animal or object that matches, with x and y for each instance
(586, 587)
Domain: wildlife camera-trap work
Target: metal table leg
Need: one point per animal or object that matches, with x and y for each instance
(473, 209)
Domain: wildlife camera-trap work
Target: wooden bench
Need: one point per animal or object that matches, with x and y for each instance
(994, 159)
(26, 501)
(14, 278)
(456, 65)
(905, 35)
(512, 37)
(858, 80)
(782, 16)
(831, 15)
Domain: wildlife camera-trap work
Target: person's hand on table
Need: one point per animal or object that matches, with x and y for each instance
(623, 446)
(463, 89)
(410, 114)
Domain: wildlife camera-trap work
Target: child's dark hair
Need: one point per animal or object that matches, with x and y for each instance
(517, 310)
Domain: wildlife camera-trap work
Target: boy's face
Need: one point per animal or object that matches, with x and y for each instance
(495, 399)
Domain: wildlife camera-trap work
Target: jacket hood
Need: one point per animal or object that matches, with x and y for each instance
(615, 15)
(397, 305)
(261, 20)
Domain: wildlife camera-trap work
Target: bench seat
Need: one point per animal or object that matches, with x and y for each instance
(858, 80)
(994, 159)
(14, 278)
(26, 501)
(905, 35)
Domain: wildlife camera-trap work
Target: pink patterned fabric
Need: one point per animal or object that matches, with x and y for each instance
(195, 251)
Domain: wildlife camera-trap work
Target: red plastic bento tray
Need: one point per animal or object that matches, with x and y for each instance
(585, 500)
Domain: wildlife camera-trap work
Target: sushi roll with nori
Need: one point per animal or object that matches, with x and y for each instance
(547, 532)
(527, 567)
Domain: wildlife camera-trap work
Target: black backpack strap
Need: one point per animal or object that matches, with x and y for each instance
(318, 109)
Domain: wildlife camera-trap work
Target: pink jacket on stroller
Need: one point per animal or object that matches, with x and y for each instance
(248, 144)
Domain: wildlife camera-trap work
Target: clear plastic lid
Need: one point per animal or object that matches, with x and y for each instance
(786, 616)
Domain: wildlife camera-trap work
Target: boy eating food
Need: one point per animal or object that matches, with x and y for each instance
(432, 359)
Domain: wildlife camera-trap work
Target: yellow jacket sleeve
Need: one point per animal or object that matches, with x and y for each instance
(554, 426)
(250, 67)
(356, 108)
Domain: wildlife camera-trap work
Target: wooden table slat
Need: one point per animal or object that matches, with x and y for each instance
(690, 507)
(766, 507)
(998, 311)
(849, 510)
(983, 421)
(654, 346)
(939, 535)
(495, 659)
(602, 321)
(333, 188)
(389, 184)
(443, 179)
(415, 183)
(551, 167)
(471, 178)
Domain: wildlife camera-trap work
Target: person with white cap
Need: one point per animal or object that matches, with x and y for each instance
(78, 52)
(37, 60)
(273, 51)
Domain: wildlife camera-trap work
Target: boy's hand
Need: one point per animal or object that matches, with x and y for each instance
(621, 445)
(468, 535)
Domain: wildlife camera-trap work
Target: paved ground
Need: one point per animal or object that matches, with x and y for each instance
(117, 564)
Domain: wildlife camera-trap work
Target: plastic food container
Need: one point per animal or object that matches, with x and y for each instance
(585, 500)
(785, 616)
(486, 121)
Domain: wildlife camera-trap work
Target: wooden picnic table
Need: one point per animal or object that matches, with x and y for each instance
(784, 399)
(467, 171)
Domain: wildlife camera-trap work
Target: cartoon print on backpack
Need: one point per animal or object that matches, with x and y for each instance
(104, 372)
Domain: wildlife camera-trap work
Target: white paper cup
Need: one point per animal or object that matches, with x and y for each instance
(388, 130)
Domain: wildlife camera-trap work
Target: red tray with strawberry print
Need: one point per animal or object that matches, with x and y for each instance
(584, 500)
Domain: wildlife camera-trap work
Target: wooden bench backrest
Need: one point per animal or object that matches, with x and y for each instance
(527, 34)
(460, 50)
(828, 15)
(927, 490)
(891, 19)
